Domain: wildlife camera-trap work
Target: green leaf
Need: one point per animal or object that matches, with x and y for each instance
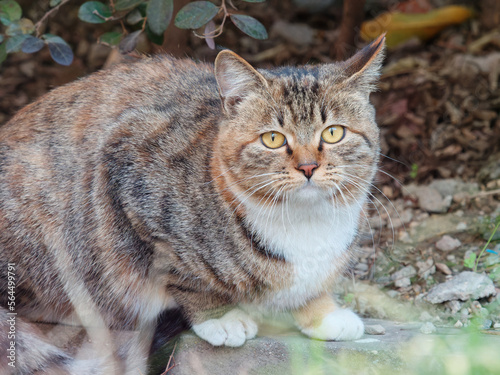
(22, 26)
(54, 3)
(111, 38)
(14, 43)
(195, 15)
(155, 38)
(127, 4)
(159, 13)
(59, 50)
(470, 261)
(134, 17)
(249, 26)
(1, 38)
(32, 44)
(349, 297)
(142, 8)
(10, 11)
(414, 171)
(87, 12)
(3, 52)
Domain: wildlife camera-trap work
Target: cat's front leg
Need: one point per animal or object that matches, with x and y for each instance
(214, 319)
(322, 319)
(231, 329)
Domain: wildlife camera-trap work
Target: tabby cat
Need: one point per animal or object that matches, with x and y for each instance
(168, 185)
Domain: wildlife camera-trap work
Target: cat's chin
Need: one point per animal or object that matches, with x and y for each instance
(310, 192)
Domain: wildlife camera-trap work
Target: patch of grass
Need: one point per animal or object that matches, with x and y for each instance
(470, 353)
(348, 298)
(414, 171)
(473, 260)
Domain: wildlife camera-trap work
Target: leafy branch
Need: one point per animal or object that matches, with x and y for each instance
(135, 17)
(18, 33)
(199, 13)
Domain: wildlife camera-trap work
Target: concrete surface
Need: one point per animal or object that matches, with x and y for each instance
(283, 353)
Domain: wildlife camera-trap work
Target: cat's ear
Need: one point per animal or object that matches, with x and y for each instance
(364, 67)
(236, 78)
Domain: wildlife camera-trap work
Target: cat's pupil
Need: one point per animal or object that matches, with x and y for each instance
(331, 131)
(272, 137)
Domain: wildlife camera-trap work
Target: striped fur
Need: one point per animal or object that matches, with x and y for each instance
(146, 187)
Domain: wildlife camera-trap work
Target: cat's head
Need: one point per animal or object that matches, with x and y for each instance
(306, 133)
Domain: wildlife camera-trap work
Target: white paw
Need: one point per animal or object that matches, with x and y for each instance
(232, 329)
(339, 325)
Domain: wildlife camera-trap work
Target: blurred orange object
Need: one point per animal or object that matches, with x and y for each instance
(401, 27)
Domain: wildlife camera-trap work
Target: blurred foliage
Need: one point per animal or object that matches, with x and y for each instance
(468, 353)
(17, 35)
(135, 17)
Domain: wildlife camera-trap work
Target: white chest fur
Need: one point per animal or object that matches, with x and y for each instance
(310, 234)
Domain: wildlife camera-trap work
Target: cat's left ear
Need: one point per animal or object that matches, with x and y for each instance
(364, 67)
(236, 78)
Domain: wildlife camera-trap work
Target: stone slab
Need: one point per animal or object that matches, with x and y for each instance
(288, 352)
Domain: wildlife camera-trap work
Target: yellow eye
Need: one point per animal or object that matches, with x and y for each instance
(273, 139)
(333, 134)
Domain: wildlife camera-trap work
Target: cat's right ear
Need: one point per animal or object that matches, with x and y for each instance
(236, 78)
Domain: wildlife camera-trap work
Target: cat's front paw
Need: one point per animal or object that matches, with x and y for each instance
(339, 325)
(232, 329)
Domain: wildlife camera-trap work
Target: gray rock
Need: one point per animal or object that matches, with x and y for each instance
(428, 328)
(448, 243)
(464, 286)
(458, 324)
(454, 306)
(443, 268)
(476, 307)
(451, 186)
(437, 225)
(487, 323)
(445, 187)
(402, 282)
(425, 316)
(299, 34)
(402, 218)
(376, 329)
(491, 170)
(427, 268)
(361, 267)
(401, 278)
(429, 199)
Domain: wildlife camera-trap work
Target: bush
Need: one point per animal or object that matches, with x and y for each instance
(151, 17)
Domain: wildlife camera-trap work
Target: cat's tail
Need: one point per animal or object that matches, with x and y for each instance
(59, 349)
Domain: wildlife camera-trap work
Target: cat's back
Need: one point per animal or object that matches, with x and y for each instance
(52, 152)
(66, 131)
(161, 83)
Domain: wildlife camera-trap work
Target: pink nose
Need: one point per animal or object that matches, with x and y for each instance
(308, 169)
